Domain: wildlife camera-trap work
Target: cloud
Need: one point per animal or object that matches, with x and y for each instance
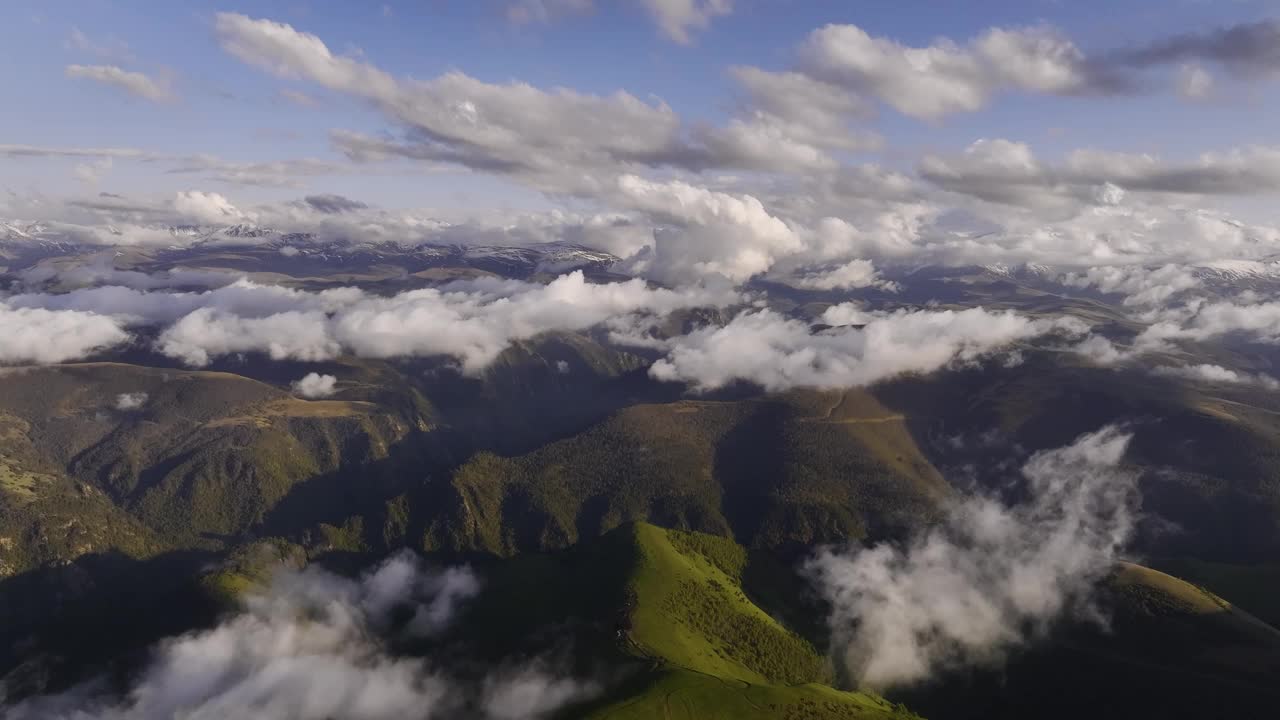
(1142, 286)
(275, 173)
(242, 297)
(788, 122)
(472, 322)
(1247, 48)
(100, 270)
(558, 139)
(126, 402)
(1215, 374)
(207, 207)
(313, 646)
(1003, 171)
(730, 235)
(475, 327)
(333, 204)
(1200, 321)
(8, 150)
(315, 385)
(990, 577)
(677, 18)
(36, 335)
(944, 78)
(206, 333)
(524, 12)
(92, 172)
(777, 353)
(135, 83)
(851, 275)
(460, 120)
(531, 693)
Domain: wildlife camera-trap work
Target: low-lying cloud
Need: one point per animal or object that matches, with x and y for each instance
(777, 353)
(315, 385)
(316, 646)
(990, 577)
(37, 335)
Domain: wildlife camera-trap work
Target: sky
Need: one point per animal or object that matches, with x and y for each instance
(813, 143)
(192, 97)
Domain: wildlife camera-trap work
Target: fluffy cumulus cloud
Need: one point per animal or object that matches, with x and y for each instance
(1140, 285)
(134, 83)
(990, 576)
(315, 385)
(207, 207)
(314, 646)
(777, 353)
(853, 274)
(1200, 321)
(712, 232)
(37, 335)
(205, 334)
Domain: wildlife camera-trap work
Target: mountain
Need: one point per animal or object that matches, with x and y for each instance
(254, 248)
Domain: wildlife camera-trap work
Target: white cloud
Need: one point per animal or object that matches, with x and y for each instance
(989, 577)
(1201, 321)
(91, 172)
(126, 402)
(471, 321)
(1142, 286)
(315, 385)
(1215, 374)
(457, 119)
(850, 275)
(1003, 171)
(207, 207)
(677, 18)
(475, 327)
(314, 646)
(135, 83)
(777, 353)
(944, 78)
(36, 335)
(206, 333)
(730, 235)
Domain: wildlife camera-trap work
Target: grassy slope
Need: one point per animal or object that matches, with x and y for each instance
(208, 453)
(802, 467)
(716, 654)
(1253, 588)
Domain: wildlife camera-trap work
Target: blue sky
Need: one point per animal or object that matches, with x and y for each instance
(225, 107)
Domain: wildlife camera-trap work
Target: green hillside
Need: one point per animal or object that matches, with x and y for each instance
(714, 652)
(798, 468)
